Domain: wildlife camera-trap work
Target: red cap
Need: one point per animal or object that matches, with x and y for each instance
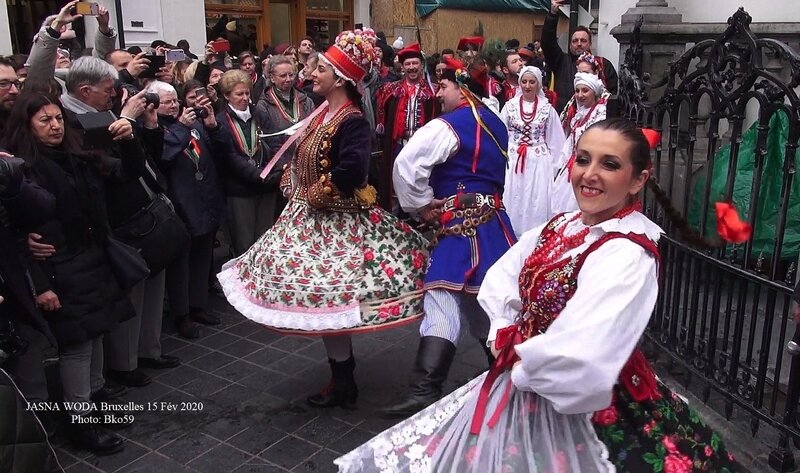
(525, 52)
(475, 41)
(410, 51)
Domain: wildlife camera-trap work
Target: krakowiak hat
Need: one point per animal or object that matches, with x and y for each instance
(526, 53)
(476, 42)
(410, 51)
(352, 55)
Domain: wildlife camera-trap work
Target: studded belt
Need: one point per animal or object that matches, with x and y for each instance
(471, 201)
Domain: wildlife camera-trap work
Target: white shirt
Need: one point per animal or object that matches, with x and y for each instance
(577, 361)
(432, 144)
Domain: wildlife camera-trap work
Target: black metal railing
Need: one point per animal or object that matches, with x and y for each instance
(724, 314)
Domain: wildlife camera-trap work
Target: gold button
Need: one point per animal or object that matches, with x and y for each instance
(322, 178)
(324, 163)
(327, 189)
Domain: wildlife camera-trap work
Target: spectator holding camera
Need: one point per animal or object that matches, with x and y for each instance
(75, 285)
(47, 60)
(251, 200)
(192, 139)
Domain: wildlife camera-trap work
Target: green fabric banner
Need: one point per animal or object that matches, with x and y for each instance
(770, 192)
(426, 7)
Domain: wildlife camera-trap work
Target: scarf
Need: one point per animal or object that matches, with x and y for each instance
(536, 73)
(244, 115)
(590, 80)
(74, 105)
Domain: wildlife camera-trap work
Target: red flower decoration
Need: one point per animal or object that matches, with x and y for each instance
(606, 417)
(653, 137)
(729, 226)
(374, 217)
(369, 255)
(669, 443)
(389, 271)
(677, 463)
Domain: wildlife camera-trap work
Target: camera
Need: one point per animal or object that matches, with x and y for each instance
(200, 112)
(151, 98)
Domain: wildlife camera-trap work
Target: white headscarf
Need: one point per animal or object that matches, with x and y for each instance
(590, 80)
(538, 74)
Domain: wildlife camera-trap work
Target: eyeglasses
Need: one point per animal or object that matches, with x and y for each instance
(285, 76)
(63, 52)
(6, 84)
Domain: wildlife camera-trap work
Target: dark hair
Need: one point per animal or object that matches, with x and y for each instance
(48, 86)
(183, 44)
(581, 28)
(640, 159)
(353, 94)
(19, 60)
(448, 51)
(8, 62)
(19, 138)
(190, 85)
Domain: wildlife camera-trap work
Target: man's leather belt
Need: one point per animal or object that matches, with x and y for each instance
(471, 201)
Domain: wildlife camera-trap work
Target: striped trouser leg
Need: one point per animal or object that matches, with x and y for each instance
(442, 315)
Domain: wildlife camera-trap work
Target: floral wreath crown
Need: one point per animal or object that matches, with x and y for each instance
(588, 57)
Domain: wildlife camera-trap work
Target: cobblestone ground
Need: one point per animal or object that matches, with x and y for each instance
(252, 384)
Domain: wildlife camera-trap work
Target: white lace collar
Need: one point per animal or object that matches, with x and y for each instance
(634, 222)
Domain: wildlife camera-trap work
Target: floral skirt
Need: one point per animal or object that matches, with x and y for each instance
(530, 436)
(328, 272)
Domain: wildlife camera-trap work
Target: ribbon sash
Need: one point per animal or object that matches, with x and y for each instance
(272, 162)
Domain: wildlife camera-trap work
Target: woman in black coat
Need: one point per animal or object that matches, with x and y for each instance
(75, 287)
(251, 200)
(192, 144)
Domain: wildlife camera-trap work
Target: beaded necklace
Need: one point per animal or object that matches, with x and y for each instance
(554, 248)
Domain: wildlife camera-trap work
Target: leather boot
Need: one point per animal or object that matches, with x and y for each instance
(342, 390)
(186, 328)
(203, 317)
(434, 357)
(93, 438)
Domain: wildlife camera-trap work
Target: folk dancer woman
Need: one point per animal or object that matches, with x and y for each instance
(590, 108)
(568, 304)
(535, 139)
(334, 263)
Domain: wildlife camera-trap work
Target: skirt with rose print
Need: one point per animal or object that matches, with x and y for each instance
(322, 272)
(531, 437)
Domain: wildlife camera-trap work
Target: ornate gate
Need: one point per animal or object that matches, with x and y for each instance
(724, 315)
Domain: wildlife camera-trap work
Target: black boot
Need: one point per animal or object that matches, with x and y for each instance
(342, 390)
(186, 328)
(93, 438)
(434, 357)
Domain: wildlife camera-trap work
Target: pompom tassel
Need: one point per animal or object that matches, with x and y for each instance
(729, 226)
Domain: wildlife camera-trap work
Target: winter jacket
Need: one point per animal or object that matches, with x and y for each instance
(562, 64)
(271, 116)
(240, 173)
(24, 447)
(92, 301)
(195, 189)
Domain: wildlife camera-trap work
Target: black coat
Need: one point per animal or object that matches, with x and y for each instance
(199, 203)
(92, 301)
(23, 442)
(562, 64)
(241, 174)
(29, 208)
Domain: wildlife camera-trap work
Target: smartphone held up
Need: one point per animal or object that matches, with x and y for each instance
(87, 8)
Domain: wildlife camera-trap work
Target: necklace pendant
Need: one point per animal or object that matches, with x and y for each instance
(198, 176)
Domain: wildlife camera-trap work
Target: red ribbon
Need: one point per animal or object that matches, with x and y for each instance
(653, 137)
(505, 341)
(522, 152)
(570, 164)
(729, 226)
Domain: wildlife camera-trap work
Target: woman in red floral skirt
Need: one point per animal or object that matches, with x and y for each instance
(570, 391)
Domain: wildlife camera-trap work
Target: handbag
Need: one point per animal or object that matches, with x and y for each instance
(11, 344)
(126, 263)
(157, 232)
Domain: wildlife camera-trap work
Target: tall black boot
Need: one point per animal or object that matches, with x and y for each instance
(342, 390)
(434, 357)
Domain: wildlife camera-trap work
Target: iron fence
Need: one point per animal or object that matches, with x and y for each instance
(724, 314)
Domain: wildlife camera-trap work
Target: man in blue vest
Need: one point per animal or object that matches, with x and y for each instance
(451, 173)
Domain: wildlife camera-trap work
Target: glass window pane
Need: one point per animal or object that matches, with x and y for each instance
(248, 3)
(281, 19)
(327, 5)
(323, 32)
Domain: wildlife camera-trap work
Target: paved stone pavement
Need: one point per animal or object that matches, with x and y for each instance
(252, 384)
